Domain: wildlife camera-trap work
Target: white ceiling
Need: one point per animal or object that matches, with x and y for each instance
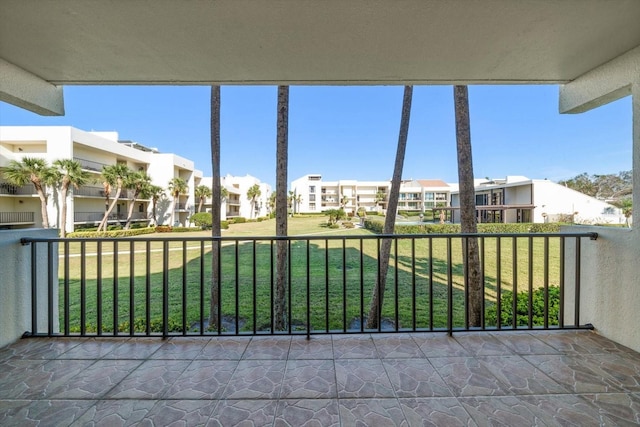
(317, 42)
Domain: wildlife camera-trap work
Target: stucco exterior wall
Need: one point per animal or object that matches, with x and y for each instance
(610, 287)
(15, 284)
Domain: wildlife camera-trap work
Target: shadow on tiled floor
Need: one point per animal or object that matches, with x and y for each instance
(507, 378)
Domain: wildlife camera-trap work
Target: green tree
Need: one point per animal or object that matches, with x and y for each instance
(177, 186)
(155, 193)
(282, 255)
(70, 173)
(202, 192)
(114, 176)
(252, 195)
(139, 182)
(377, 300)
(36, 171)
(468, 224)
(380, 197)
(272, 202)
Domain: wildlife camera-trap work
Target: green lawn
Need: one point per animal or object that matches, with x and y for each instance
(341, 273)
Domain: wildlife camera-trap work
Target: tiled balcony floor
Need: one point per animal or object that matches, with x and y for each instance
(511, 379)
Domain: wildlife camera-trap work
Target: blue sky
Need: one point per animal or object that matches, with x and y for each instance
(352, 132)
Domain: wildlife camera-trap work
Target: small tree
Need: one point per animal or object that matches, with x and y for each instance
(155, 193)
(115, 176)
(252, 195)
(70, 173)
(177, 186)
(139, 183)
(202, 192)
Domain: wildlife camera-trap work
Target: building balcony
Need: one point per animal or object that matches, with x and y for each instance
(87, 360)
(16, 190)
(90, 165)
(89, 191)
(16, 218)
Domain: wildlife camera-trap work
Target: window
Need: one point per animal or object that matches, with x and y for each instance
(312, 206)
(312, 197)
(312, 189)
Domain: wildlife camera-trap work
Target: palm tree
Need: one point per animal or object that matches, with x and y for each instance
(139, 182)
(468, 205)
(298, 201)
(380, 196)
(627, 210)
(389, 223)
(290, 198)
(272, 202)
(252, 194)
(202, 192)
(39, 173)
(282, 255)
(177, 186)
(114, 176)
(70, 173)
(216, 202)
(344, 201)
(155, 193)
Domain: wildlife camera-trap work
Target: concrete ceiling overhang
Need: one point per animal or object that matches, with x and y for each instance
(67, 42)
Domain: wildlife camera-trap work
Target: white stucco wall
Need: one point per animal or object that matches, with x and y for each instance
(15, 284)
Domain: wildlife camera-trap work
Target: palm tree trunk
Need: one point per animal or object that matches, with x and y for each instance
(468, 224)
(43, 205)
(214, 302)
(282, 255)
(200, 204)
(63, 212)
(375, 309)
(130, 212)
(105, 220)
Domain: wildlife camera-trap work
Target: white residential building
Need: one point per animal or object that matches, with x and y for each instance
(237, 204)
(20, 207)
(316, 195)
(520, 199)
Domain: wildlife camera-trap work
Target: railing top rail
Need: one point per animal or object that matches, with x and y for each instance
(142, 238)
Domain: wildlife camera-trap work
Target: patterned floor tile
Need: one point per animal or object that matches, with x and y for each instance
(307, 413)
(241, 413)
(94, 348)
(396, 346)
(203, 379)
(622, 368)
(436, 412)
(621, 408)
(318, 347)
(45, 413)
(309, 379)
(220, 348)
(415, 378)
(571, 342)
(359, 378)
(371, 412)
(270, 347)
(500, 411)
(575, 373)
(465, 376)
(354, 347)
(40, 381)
(256, 379)
(519, 376)
(115, 413)
(524, 343)
(13, 371)
(564, 410)
(150, 380)
(38, 348)
(179, 413)
(135, 348)
(95, 381)
(482, 344)
(180, 349)
(439, 345)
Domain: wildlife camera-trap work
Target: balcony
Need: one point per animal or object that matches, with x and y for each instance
(89, 191)
(16, 218)
(90, 164)
(17, 190)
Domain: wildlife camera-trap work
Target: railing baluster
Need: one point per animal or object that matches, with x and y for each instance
(562, 254)
(514, 296)
(482, 284)
(273, 325)
(99, 287)
(499, 282)
(430, 283)
(449, 288)
(66, 289)
(413, 284)
(34, 289)
(530, 287)
(132, 289)
(202, 287)
(237, 287)
(50, 288)
(344, 285)
(576, 321)
(147, 314)
(165, 289)
(83, 288)
(361, 285)
(184, 288)
(255, 313)
(546, 282)
(115, 287)
(326, 284)
(395, 285)
(308, 293)
(289, 269)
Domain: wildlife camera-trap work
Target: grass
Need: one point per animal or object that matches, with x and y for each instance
(341, 276)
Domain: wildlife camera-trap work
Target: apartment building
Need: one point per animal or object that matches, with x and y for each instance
(520, 199)
(237, 203)
(20, 206)
(312, 194)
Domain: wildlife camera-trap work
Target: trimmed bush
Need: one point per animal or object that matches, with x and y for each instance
(239, 220)
(181, 229)
(376, 226)
(163, 229)
(348, 224)
(522, 308)
(112, 233)
(203, 220)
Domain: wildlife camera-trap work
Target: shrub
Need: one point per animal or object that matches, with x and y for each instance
(428, 228)
(181, 229)
(522, 308)
(203, 220)
(112, 233)
(163, 229)
(348, 224)
(224, 225)
(239, 220)
(334, 225)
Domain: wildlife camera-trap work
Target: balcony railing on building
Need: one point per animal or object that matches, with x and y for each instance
(16, 218)
(90, 164)
(83, 217)
(162, 286)
(17, 190)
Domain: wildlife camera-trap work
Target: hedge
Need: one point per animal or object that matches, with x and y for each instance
(377, 227)
(112, 233)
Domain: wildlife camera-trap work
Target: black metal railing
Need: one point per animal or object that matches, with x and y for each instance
(89, 191)
(90, 164)
(17, 217)
(162, 286)
(17, 190)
